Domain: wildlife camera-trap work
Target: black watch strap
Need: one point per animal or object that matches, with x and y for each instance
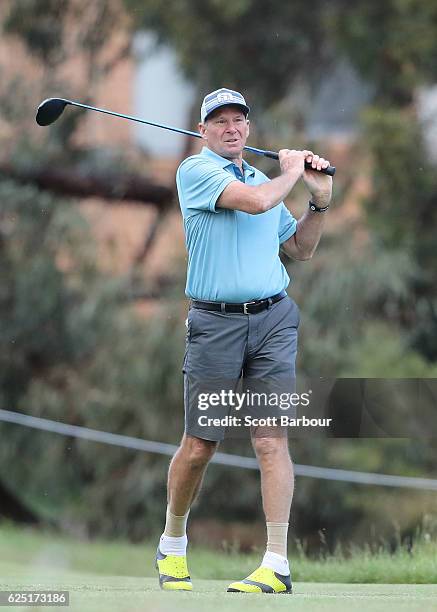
(315, 208)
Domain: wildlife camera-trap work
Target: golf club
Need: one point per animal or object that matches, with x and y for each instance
(52, 108)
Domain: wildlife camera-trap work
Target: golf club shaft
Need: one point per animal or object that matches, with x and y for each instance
(271, 154)
(137, 119)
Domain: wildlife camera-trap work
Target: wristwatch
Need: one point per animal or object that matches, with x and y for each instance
(315, 208)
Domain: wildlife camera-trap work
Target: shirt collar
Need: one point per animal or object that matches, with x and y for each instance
(224, 163)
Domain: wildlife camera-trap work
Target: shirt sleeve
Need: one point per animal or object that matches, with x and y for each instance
(287, 224)
(200, 183)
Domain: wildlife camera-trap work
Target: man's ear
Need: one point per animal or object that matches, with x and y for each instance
(202, 129)
(248, 126)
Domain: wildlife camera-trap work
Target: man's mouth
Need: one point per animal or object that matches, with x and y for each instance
(232, 140)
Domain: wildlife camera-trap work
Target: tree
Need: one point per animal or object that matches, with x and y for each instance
(394, 46)
(55, 34)
(243, 44)
(75, 351)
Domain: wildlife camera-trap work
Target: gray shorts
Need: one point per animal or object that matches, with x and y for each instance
(228, 354)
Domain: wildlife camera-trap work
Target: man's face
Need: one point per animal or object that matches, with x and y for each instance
(226, 131)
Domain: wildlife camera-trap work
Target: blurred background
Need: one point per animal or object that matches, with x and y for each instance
(93, 262)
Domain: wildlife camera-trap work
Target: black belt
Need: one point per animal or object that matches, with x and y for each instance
(246, 308)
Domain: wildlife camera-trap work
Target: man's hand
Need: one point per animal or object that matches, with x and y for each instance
(319, 185)
(293, 162)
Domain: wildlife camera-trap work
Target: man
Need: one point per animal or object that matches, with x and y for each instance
(240, 321)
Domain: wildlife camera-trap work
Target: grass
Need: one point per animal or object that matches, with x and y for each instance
(36, 548)
(113, 576)
(96, 593)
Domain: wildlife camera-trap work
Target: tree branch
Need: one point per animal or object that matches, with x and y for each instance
(70, 182)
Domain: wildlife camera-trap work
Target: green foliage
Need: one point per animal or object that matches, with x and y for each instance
(329, 514)
(393, 356)
(34, 330)
(45, 25)
(106, 489)
(243, 44)
(401, 208)
(56, 34)
(402, 213)
(393, 44)
(72, 352)
(40, 23)
(340, 293)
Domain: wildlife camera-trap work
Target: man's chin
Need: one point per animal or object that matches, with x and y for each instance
(233, 150)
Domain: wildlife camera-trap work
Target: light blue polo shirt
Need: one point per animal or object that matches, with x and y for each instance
(232, 256)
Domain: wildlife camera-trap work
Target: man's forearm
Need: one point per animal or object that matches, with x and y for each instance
(308, 233)
(303, 243)
(272, 193)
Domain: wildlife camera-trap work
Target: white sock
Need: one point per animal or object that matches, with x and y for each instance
(170, 545)
(276, 562)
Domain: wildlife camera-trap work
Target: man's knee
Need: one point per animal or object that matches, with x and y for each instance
(270, 446)
(198, 451)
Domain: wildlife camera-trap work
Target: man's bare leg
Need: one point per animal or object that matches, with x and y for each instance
(277, 483)
(277, 486)
(277, 478)
(186, 472)
(184, 479)
(185, 476)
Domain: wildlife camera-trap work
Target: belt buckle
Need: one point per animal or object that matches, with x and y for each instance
(246, 304)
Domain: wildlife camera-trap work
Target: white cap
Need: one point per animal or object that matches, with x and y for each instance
(222, 97)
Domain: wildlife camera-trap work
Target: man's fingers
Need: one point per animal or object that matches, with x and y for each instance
(314, 161)
(322, 163)
(317, 162)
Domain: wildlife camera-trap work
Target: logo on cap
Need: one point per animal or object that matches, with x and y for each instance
(225, 97)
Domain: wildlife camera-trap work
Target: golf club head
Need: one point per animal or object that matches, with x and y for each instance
(49, 110)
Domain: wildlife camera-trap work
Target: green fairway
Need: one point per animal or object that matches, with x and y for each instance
(98, 593)
(112, 576)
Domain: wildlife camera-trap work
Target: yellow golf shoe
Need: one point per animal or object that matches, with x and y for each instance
(262, 580)
(173, 572)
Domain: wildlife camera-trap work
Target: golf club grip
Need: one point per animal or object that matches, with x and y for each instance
(329, 170)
